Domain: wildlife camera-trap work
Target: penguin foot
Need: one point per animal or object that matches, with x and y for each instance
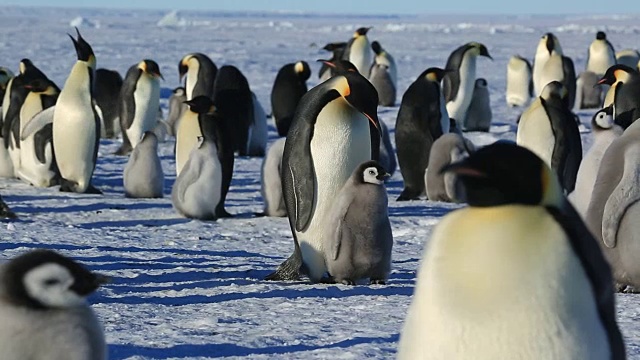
(347, 282)
(92, 190)
(377, 282)
(407, 195)
(328, 280)
(222, 213)
(67, 186)
(289, 270)
(5, 212)
(630, 290)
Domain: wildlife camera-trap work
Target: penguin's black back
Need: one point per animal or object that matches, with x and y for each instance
(107, 90)
(233, 99)
(288, 89)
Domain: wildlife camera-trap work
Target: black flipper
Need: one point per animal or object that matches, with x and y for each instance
(41, 138)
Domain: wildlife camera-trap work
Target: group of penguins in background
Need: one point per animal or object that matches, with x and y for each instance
(521, 272)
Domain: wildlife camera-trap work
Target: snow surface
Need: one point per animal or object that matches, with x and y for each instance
(188, 289)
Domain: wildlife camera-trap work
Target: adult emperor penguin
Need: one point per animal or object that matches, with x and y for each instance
(604, 133)
(612, 215)
(546, 46)
(76, 126)
(177, 107)
(107, 93)
(235, 104)
(201, 74)
(628, 57)
(358, 51)
(421, 120)
(271, 184)
(44, 310)
(359, 229)
(384, 75)
(479, 113)
(459, 80)
(588, 94)
(549, 129)
(559, 68)
(447, 149)
(139, 103)
(337, 49)
(519, 81)
(623, 94)
(601, 54)
(335, 130)
(143, 176)
(258, 131)
(518, 233)
(288, 88)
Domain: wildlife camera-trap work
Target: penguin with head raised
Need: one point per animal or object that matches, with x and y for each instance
(337, 49)
(601, 55)
(107, 94)
(383, 75)
(624, 94)
(547, 44)
(76, 125)
(335, 129)
(479, 113)
(44, 310)
(360, 238)
(421, 120)
(519, 81)
(271, 180)
(518, 254)
(143, 176)
(233, 94)
(460, 78)
(447, 149)
(557, 67)
(588, 94)
(628, 57)
(288, 88)
(139, 103)
(201, 74)
(358, 51)
(177, 107)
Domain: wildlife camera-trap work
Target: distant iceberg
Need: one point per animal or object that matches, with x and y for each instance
(82, 22)
(172, 20)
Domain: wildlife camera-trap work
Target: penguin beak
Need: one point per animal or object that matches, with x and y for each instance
(158, 74)
(601, 81)
(463, 168)
(327, 62)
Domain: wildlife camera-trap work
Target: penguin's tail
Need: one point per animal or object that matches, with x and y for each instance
(289, 270)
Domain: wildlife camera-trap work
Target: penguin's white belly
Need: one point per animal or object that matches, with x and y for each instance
(147, 102)
(535, 133)
(6, 165)
(457, 108)
(186, 138)
(341, 142)
(32, 170)
(518, 80)
(553, 70)
(361, 55)
(542, 56)
(271, 184)
(601, 58)
(192, 78)
(502, 283)
(200, 197)
(610, 97)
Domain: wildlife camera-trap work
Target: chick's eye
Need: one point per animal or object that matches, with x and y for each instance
(50, 282)
(371, 172)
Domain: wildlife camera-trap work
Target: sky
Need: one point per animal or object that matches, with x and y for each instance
(525, 7)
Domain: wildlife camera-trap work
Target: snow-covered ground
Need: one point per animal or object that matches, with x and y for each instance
(190, 289)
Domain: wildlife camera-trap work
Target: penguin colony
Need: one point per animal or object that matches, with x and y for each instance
(479, 280)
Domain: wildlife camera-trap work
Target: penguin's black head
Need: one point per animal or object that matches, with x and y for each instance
(201, 105)
(335, 46)
(481, 82)
(341, 66)
(375, 46)
(615, 73)
(361, 31)
(554, 89)
(371, 172)
(357, 91)
(433, 74)
(477, 49)
(25, 64)
(601, 35)
(504, 173)
(83, 49)
(42, 86)
(44, 279)
(302, 70)
(150, 67)
(183, 65)
(550, 43)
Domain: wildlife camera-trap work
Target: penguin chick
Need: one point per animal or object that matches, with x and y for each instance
(176, 108)
(271, 184)
(44, 311)
(360, 232)
(143, 176)
(447, 149)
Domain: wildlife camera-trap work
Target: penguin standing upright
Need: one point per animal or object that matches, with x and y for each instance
(588, 94)
(628, 57)
(107, 93)
(384, 75)
(139, 103)
(448, 149)
(177, 107)
(517, 265)
(519, 81)
(143, 176)
(271, 180)
(288, 88)
(334, 131)
(422, 119)
(623, 94)
(549, 129)
(358, 51)
(601, 56)
(235, 104)
(44, 310)
(5, 76)
(460, 78)
(337, 49)
(201, 74)
(258, 131)
(547, 44)
(479, 113)
(76, 125)
(557, 68)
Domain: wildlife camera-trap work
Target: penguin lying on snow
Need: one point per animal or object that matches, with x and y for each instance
(519, 254)
(143, 176)
(44, 311)
(628, 57)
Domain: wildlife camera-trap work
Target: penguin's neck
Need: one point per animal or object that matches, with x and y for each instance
(192, 77)
(360, 55)
(77, 88)
(32, 105)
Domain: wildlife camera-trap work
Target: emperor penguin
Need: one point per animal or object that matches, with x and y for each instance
(5, 211)
(288, 88)
(519, 81)
(601, 54)
(479, 113)
(201, 74)
(76, 125)
(143, 176)
(232, 95)
(337, 49)
(623, 94)
(549, 129)
(612, 214)
(358, 51)
(588, 94)
(177, 107)
(447, 149)
(139, 103)
(359, 231)
(335, 130)
(5, 76)
(516, 263)
(6, 166)
(459, 80)
(559, 68)
(44, 310)
(387, 154)
(604, 133)
(384, 75)
(546, 46)
(107, 93)
(421, 120)
(271, 180)
(258, 131)
(628, 57)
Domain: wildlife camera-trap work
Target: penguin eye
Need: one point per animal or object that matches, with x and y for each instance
(51, 282)
(371, 172)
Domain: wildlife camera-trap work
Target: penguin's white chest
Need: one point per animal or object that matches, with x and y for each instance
(186, 138)
(458, 107)
(542, 56)
(535, 133)
(147, 101)
(518, 79)
(502, 283)
(192, 78)
(553, 70)
(32, 105)
(361, 55)
(341, 141)
(600, 58)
